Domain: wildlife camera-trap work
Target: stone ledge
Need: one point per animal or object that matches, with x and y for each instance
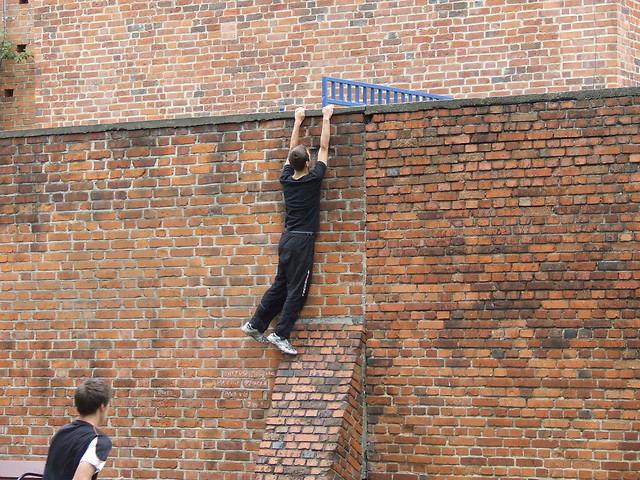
(505, 100)
(369, 110)
(166, 123)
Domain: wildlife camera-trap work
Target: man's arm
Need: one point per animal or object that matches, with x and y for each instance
(295, 135)
(323, 154)
(84, 471)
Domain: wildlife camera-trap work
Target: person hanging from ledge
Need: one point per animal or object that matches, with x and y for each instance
(301, 187)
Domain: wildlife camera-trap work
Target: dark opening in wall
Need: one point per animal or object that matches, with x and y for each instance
(24, 1)
(21, 48)
(8, 92)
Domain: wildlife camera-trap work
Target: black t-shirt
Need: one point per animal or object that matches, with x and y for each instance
(69, 445)
(302, 198)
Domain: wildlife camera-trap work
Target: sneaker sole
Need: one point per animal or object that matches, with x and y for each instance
(282, 349)
(260, 339)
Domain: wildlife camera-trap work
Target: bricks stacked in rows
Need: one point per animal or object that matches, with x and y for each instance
(153, 60)
(18, 108)
(315, 423)
(502, 277)
(496, 264)
(136, 256)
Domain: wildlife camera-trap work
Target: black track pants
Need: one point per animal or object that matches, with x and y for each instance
(289, 291)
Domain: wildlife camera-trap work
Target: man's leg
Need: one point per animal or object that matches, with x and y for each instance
(270, 305)
(274, 298)
(298, 273)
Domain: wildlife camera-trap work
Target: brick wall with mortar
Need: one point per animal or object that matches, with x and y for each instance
(18, 80)
(503, 273)
(135, 252)
(496, 266)
(100, 61)
(629, 38)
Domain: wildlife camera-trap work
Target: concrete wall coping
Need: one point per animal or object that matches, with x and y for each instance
(369, 110)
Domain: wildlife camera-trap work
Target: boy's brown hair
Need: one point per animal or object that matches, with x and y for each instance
(298, 157)
(91, 395)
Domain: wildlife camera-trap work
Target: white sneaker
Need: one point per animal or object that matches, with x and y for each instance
(253, 332)
(283, 344)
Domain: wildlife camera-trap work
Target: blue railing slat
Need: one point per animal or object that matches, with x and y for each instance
(347, 92)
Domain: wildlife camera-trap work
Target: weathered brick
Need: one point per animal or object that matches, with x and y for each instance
(546, 264)
(180, 80)
(497, 292)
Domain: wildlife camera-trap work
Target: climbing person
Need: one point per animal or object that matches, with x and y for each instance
(301, 187)
(78, 451)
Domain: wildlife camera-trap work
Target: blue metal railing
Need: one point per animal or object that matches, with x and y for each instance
(347, 92)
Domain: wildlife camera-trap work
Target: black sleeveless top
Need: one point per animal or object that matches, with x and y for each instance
(68, 446)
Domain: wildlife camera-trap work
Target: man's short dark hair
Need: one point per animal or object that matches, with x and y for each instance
(91, 395)
(298, 157)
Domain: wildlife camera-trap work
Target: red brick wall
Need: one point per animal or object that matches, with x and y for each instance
(136, 255)
(17, 79)
(315, 424)
(100, 62)
(629, 41)
(502, 290)
(491, 247)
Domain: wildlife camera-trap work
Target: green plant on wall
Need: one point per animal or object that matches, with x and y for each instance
(8, 51)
